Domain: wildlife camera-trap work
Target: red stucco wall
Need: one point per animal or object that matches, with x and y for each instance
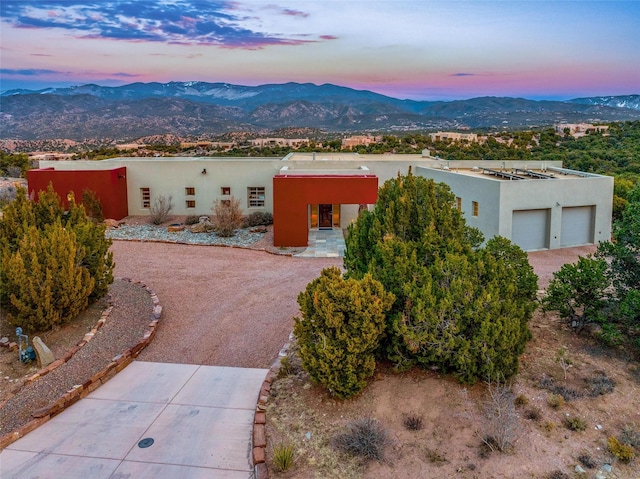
(292, 195)
(110, 186)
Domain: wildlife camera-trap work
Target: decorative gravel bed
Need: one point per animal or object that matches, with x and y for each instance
(126, 325)
(243, 238)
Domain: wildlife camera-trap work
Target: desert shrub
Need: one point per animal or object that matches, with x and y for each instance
(413, 422)
(258, 218)
(567, 393)
(192, 220)
(340, 329)
(83, 266)
(630, 435)
(556, 401)
(283, 456)
(549, 426)
(521, 400)
(575, 424)
(46, 287)
(7, 195)
(600, 384)
(500, 421)
(621, 451)
(365, 438)
(92, 206)
(533, 414)
(587, 461)
(161, 209)
(436, 457)
(557, 474)
(418, 245)
(226, 217)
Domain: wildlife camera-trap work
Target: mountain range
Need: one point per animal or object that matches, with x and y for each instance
(211, 109)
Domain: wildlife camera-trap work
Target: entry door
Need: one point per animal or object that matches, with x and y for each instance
(326, 216)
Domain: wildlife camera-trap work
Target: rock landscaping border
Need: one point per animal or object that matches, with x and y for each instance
(259, 436)
(117, 364)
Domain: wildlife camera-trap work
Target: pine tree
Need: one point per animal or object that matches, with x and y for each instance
(46, 284)
(340, 328)
(458, 307)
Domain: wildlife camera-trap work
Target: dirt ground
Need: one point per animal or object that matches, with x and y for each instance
(449, 445)
(226, 306)
(222, 306)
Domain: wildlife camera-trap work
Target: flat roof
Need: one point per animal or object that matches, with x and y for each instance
(517, 174)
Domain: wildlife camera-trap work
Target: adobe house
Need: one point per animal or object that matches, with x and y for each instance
(537, 205)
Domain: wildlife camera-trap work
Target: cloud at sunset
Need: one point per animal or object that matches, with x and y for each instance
(182, 22)
(419, 49)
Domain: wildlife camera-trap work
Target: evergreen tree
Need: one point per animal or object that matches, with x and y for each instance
(46, 284)
(340, 328)
(24, 221)
(458, 307)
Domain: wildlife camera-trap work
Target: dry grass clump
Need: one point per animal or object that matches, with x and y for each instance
(283, 456)
(365, 438)
(413, 422)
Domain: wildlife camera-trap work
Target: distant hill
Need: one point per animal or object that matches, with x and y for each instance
(625, 101)
(197, 108)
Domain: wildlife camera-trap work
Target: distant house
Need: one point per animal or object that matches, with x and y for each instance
(537, 205)
(579, 129)
(360, 140)
(453, 136)
(282, 142)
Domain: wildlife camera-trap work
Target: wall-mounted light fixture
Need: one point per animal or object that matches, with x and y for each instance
(204, 171)
(121, 177)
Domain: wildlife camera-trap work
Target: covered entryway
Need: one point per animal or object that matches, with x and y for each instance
(308, 201)
(577, 226)
(530, 229)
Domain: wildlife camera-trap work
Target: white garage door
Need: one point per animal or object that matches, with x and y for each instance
(530, 229)
(577, 226)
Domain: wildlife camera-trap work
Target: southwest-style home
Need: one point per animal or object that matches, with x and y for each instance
(537, 205)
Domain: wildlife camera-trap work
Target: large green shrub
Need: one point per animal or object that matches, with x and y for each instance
(27, 226)
(458, 307)
(340, 328)
(46, 285)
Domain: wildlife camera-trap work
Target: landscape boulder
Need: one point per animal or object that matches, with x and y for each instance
(43, 353)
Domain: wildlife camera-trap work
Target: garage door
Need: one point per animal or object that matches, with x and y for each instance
(577, 226)
(530, 229)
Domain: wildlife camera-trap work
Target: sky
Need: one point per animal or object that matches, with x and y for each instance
(421, 50)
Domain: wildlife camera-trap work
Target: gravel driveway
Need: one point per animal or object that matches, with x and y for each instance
(222, 306)
(234, 307)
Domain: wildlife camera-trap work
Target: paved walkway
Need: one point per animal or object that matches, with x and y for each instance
(324, 244)
(199, 417)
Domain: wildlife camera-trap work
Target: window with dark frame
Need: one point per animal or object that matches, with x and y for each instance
(145, 195)
(225, 190)
(191, 203)
(189, 191)
(255, 196)
(476, 208)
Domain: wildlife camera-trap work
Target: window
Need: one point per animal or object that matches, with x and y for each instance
(145, 195)
(459, 203)
(226, 203)
(225, 190)
(256, 196)
(189, 191)
(191, 203)
(475, 208)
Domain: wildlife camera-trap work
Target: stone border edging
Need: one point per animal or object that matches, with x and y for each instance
(259, 437)
(265, 250)
(117, 364)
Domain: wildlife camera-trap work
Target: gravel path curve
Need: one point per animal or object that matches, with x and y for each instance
(221, 306)
(129, 319)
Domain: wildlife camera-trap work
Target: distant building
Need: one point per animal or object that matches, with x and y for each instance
(453, 136)
(129, 146)
(579, 129)
(283, 142)
(538, 205)
(360, 140)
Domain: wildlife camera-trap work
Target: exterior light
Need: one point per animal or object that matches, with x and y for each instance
(204, 171)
